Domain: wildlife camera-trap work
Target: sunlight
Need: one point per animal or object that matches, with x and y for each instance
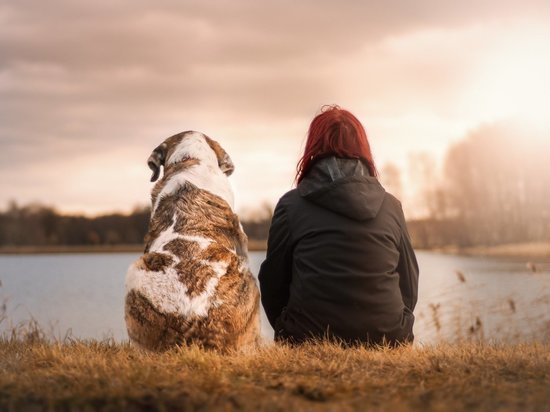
(513, 81)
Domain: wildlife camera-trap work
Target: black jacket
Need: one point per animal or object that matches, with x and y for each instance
(339, 260)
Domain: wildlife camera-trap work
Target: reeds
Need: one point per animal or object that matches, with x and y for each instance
(459, 314)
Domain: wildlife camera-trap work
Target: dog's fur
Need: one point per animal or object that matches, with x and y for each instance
(193, 284)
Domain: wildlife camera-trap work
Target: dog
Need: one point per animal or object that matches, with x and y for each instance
(192, 285)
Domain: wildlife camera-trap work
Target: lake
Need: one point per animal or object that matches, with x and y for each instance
(83, 295)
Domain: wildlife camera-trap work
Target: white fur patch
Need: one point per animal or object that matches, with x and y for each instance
(207, 175)
(209, 179)
(202, 241)
(164, 238)
(164, 289)
(193, 145)
(169, 295)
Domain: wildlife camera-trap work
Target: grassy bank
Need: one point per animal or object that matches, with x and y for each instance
(105, 376)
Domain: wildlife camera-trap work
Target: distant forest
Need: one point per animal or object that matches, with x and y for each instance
(38, 225)
(494, 188)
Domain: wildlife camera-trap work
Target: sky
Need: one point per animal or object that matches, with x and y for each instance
(88, 89)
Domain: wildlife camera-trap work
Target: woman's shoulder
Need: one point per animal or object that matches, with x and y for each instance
(393, 207)
(289, 198)
(392, 201)
(290, 204)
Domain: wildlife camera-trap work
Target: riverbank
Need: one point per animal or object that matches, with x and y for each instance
(56, 249)
(37, 375)
(528, 251)
(253, 246)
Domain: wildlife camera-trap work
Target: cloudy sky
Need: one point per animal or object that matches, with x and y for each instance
(88, 89)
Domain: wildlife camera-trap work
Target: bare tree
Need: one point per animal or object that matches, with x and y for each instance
(498, 184)
(390, 177)
(431, 196)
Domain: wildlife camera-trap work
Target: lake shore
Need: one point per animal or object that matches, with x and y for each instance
(253, 246)
(92, 375)
(528, 251)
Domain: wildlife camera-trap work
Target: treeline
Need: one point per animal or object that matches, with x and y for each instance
(38, 225)
(494, 189)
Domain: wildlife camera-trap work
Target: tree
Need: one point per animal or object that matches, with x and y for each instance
(498, 184)
(390, 176)
(431, 196)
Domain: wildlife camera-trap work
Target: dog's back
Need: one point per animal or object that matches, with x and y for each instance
(193, 284)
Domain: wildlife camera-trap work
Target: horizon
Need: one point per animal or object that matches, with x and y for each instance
(83, 107)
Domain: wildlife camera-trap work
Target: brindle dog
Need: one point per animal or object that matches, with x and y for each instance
(192, 284)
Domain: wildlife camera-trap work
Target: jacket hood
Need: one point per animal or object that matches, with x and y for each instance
(343, 186)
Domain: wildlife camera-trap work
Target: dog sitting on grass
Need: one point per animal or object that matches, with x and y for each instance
(192, 285)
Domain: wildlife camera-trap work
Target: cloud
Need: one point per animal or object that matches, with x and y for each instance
(80, 80)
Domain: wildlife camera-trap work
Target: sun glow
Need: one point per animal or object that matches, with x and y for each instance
(514, 80)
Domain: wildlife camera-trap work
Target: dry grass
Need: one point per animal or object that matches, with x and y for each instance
(38, 375)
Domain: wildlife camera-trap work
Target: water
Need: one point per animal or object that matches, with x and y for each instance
(83, 295)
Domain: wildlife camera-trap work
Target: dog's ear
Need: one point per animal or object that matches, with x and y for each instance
(156, 160)
(224, 161)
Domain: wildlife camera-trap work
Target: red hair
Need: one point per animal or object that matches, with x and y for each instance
(335, 132)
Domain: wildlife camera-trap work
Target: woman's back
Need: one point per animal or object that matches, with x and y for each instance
(338, 245)
(339, 259)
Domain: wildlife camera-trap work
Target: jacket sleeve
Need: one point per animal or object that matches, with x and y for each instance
(276, 271)
(407, 269)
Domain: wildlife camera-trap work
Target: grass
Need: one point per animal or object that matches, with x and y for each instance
(75, 375)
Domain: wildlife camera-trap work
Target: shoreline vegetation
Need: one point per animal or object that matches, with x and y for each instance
(527, 250)
(253, 246)
(102, 375)
(531, 250)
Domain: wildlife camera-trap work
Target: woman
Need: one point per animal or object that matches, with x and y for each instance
(339, 259)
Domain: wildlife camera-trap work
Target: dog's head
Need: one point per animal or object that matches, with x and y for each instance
(189, 145)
